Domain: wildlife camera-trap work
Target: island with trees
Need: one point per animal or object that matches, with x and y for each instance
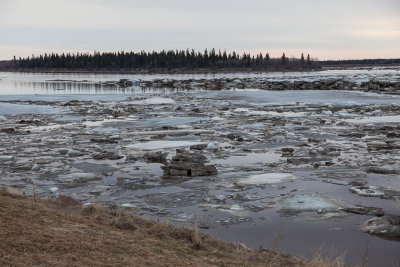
(162, 61)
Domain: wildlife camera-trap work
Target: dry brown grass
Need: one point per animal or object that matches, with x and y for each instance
(54, 233)
(319, 261)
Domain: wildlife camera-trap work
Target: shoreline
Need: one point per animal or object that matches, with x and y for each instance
(60, 231)
(202, 70)
(150, 72)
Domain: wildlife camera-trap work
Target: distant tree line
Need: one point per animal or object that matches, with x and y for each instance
(360, 62)
(179, 59)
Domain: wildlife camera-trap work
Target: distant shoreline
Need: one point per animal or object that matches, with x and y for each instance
(198, 71)
(161, 71)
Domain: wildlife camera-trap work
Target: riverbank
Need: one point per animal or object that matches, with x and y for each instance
(59, 232)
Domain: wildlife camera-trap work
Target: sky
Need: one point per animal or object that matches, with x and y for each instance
(325, 29)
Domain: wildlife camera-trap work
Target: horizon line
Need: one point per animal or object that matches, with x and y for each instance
(238, 52)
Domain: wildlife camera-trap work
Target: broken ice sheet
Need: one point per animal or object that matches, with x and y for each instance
(233, 209)
(309, 203)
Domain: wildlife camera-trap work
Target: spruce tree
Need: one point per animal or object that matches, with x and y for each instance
(283, 59)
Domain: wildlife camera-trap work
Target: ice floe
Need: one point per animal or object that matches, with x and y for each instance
(6, 158)
(81, 177)
(308, 202)
(387, 227)
(154, 145)
(154, 101)
(176, 132)
(367, 191)
(233, 209)
(375, 120)
(266, 178)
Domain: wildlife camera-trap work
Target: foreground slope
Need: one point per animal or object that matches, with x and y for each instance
(60, 233)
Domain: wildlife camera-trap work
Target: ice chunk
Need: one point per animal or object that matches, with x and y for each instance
(367, 191)
(375, 120)
(154, 145)
(81, 177)
(154, 101)
(216, 118)
(176, 132)
(388, 227)
(282, 114)
(258, 112)
(308, 202)
(241, 110)
(267, 178)
(54, 189)
(6, 158)
(2, 118)
(35, 167)
(233, 209)
(211, 145)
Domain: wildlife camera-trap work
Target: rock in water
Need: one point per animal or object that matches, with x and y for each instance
(187, 164)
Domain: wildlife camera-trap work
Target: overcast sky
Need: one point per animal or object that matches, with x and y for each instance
(335, 29)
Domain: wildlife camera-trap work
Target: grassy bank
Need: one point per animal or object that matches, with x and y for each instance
(62, 233)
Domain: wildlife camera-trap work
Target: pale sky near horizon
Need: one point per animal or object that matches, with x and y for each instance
(340, 29)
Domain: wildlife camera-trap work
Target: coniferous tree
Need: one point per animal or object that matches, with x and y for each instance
(283, 59)
(172, 59)
(267, 58)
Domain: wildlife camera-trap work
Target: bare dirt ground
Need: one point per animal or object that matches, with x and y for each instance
(61, 233)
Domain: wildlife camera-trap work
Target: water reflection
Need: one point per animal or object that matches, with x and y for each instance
(36, 87)
(94, 83)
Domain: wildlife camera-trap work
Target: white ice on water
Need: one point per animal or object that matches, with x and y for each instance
(154, 145)
(154, 101)
(6, 158)
(308, 202)
(381, 119)
(176, 132)
(81, 176)
(267, 178)
(233, 209)
(367, 191)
